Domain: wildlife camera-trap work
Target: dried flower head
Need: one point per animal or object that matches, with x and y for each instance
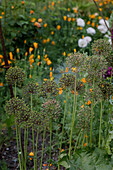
(49, 87)
(51, 108)
(19, 109)
(67, 81)
(75, 60)
(101, 47)
(38, 121)
(106, 88)
(95, 66)
(15, 75)
(31, 88)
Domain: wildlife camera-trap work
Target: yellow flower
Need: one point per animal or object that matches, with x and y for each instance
(86, 103)
(3, 13)
(50, 74)
(64, 53)
(64, 17)
(85, 144)
(40, 20)
(0, 60)
(0, 17)
(75, 50)
(26, 53)
(89, 102)
(33, 19)
(107, 18)
(44, 41)
(49, 62)
(24, 41)
(60, 91)
(88, 22)
(45, 25)
(100, 9)
(30, 78)
(73, 19)
(68, 55)
(3, 63)
(45, 7)
(11, 55)
(1, 84)
(45, 79)
(73, 69)
(17, 50)
(66, 70)
(90, 90)
(83, 80)
(23, 2)
(31, 12)
(35, 45)
(48, 40)
(53, 3)
(1, 56)
(52, 32)
(39, 57)
(99, 17)
(31, 56)
(69, 19)
(82, 106)
(50, 68)
(100, 4)
(81, 28)
(68, 9)
(61, 71)
(31, 154)
(38, 63)
(75, 11)
(30, 49)
(45, 56)
(58, 27)
(82, 36)
(53, 43)
(93, 24)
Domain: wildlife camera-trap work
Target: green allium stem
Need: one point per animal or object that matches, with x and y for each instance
(91, 126)
(63, 127)
(33, 146)
(83, 141)
(42, 148)
(21, 148)
(18, 145)
(100, 124)
(73, 115)
(77, 140)
(31, 101)
(25, 146)
(80, 138)
(50, 141)
(36, 146)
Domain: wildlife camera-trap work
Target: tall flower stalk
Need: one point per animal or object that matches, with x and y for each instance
(73, 115)
(100, 124)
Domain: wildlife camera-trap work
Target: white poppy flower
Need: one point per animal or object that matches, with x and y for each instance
(106, 35)
(102, 29)
(80, 22)
(110, 41)
(91, 31)
(103, 23)
(88, 39)
(82, 43)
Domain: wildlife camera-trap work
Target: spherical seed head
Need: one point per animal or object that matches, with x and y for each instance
(38, 121)
(75, 60)
(101, 47)
(106, 88)
(19, 109)
(15, 75)
(49, 87)
(95, 66)
(67, 81)
(31, 88)
(51, 108)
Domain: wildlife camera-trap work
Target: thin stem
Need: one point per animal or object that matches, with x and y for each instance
(31, 101)
(18, 145)
(83, 141)
(100, 124)
(50, 141)
(25, 147)
(73, 116)
(33, 145)
(21, 147)
(90, 144)
(80, 137)
(77, 140)
(63, 127)
(36, 146)
(42, 148)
